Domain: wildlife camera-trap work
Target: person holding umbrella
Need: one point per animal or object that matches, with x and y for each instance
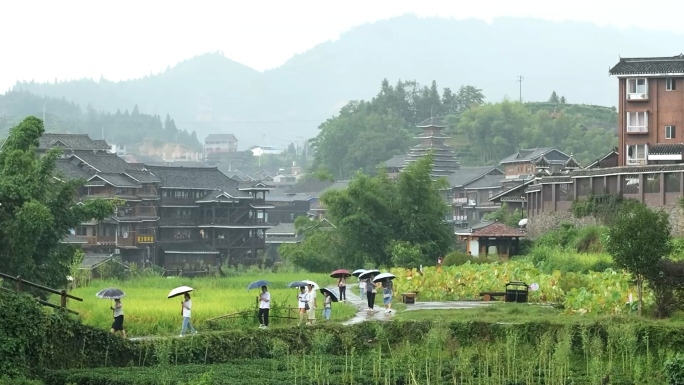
(186, 312)
(264, 307)
(371, 290)
(117, 326)
(341, 276)
(312, 305)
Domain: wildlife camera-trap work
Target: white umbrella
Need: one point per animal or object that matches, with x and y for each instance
(358, 272)
(315, 285)
(179, 291)
(383, 276)
(368, 273)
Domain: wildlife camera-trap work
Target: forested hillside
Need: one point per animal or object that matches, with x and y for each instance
(121, 128)
(213, 94)
(367, 133)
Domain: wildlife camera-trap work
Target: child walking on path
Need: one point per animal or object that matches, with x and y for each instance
(327, 306)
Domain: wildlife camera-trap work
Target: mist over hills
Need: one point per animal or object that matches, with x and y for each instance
(211, 93)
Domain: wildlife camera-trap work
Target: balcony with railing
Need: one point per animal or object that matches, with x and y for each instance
(179, 222)
(179, 202)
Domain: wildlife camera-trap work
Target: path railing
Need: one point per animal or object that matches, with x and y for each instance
(62, 293)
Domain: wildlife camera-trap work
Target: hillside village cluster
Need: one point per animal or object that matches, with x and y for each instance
(190, 218)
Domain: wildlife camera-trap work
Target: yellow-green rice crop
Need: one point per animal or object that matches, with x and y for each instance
(148, 312)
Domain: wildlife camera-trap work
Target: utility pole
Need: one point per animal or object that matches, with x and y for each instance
(520, 79)
(43, 115)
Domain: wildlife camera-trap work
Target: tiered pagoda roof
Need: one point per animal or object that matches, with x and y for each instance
(432, 139)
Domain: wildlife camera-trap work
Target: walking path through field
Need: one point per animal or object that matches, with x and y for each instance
(379, 314)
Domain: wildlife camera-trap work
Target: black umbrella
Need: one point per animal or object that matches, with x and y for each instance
(110, 293)
(334, 296)
(368, 273)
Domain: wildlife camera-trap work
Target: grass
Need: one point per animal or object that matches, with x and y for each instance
(148, 312)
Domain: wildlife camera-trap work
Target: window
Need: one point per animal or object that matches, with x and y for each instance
(670, 132)
(637, 122)
(636, 88)
(636, 154)
(670, 84)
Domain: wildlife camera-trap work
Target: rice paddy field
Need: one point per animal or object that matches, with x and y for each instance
(148, 312)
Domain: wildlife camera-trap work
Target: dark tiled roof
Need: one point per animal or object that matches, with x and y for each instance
(118, 180)
(667, 149)
(69, 171)
(492, 229)
(649, 66)
(282, 228)
(310, 186)
(72, 142)
(512, 189)
(187, 247)
(432, 122)
(467, 175)
(487, 181)
(599, 160)
(498, 229)
(627, 170)
(396, 161)
(143, 176)
(572, 162)
(542, 162)
(207, 178)
(109, 163)
(221, 138)
(526, 154)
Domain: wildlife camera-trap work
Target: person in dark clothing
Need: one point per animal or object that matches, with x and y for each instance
(342, 285)
(371, 290)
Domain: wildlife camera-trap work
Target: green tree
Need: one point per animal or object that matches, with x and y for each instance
(554, 98)
(563, 100)
(422, 210)
(38, 210)
(638, 240)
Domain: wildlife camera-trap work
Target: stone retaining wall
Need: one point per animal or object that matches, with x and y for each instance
(549, 221)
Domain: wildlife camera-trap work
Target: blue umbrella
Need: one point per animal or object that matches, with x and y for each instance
(257, 284)
(297, 284)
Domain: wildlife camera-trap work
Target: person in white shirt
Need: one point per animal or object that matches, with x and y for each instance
(362, 289)
(264, 306)
(303, 304)
(117, 326)
(186, 313)
(312, 306)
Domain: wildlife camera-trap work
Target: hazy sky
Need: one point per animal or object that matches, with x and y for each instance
(44, 40)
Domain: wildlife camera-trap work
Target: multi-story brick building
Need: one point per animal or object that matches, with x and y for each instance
(650, 110)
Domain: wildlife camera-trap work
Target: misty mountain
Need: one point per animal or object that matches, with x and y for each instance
(211, 93)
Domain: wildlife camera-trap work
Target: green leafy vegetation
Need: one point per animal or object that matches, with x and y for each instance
(602, 207)
(377, 221)
(406, 352)
(638, 240)
(37, 210)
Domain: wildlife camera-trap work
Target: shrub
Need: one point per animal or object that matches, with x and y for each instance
(674, 369)
(457, 258)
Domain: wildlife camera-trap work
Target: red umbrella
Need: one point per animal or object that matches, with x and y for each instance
(340, 273)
